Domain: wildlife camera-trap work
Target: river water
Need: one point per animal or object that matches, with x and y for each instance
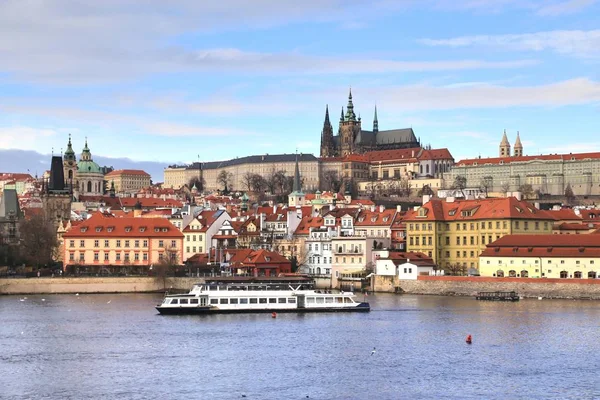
(117, 346)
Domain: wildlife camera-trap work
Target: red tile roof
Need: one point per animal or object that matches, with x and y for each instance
(375, 218)
(547, 157)
(564, 214)
(123, 227)
(544, 246)
(150, 202)
(307, 223)
(469, 210)
(120, 172)
(590, 215)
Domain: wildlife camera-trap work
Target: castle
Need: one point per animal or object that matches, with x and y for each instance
(351, 138)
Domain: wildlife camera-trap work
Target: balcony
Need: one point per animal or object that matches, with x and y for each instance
(350, 251)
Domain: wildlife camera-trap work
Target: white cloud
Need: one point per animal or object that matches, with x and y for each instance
(568, 42)
(564, 7)
(171, 129)
(424, 97)
(23, 137)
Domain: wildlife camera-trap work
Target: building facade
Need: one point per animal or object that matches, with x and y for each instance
(456, 232)
(547, 174)
(107, 240)
(128, 180)
(537, 256)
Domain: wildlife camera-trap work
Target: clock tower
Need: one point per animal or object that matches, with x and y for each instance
(70, 166)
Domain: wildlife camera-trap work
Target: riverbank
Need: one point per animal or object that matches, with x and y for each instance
(469, 286)
(68, 285)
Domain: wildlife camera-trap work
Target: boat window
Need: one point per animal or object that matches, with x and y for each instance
(310, 300)
(291, 300)
(253, 301)
(193, 301)
(203, 301)
(174, 301)
(328, 299)
(347, 300)
(214, 301)
(281, 300)
(183, 301)
(262, 301)
(223, 301)
(233, 301)
(272, 301)
(320, 300)
(243, 301)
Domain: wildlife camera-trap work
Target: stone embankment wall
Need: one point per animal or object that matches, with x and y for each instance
(95, 285)
(469, 286)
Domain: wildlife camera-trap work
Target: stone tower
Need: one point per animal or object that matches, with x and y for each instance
(504, 146)
(350, 126)
(70, 166)
(56, 197)
(327, 144)
(518, 149)
(296, 198)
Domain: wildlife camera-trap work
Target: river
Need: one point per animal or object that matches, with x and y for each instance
(117, 346)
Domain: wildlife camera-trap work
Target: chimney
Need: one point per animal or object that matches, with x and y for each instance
(412, 154)
(372, 208)
(274, 209)
(426, 198)
(518, 195)
(381, 208)
(450, 199)
(398, 208)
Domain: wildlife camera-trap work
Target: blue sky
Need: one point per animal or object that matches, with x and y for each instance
(168, 82)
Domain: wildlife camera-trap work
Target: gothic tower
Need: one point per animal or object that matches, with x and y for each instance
(327, 145)
(518, 149)
(350, 126)
(504, 146)
(375, 122)
(69, 165)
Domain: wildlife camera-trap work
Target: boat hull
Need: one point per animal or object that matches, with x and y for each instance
(362, 307)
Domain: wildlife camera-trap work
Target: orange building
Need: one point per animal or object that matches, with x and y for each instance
(106, 240)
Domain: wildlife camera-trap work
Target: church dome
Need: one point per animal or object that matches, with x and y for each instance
(88, 166)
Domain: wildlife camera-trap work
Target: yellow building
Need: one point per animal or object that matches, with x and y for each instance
(456, 232)
(109, 241)
(128, 180)
(542, 256)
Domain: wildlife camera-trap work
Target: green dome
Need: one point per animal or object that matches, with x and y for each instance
(88, 166)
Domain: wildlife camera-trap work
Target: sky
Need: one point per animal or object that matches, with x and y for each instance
(179, 81)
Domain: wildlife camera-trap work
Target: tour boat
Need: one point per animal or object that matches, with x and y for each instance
(255, 295)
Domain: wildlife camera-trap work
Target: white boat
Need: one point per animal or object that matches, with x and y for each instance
(255, 295)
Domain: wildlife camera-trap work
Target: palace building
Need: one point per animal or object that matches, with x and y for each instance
(352, 138)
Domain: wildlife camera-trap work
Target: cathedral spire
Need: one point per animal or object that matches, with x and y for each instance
(350, 116)
(297, 185)
(342, 116)
(327, 123)
(375, 121)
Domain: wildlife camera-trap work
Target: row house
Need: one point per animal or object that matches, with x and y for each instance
(200, 231)
(258, 263)
(456, 232)
(375, 222)
(353, 258)
(542, 256)
(105, 240)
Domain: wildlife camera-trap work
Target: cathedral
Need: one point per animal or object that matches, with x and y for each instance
(351, 138)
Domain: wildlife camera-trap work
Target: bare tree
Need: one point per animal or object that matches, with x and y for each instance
(224, 179)
(298, 254)
(247, 180)
(505, 187)
(38, 240)
(485, 184)
(331, 181)
(258, 183)
(455, 269)
(166, 266)
(198, 181)
(425, 191)
(460, 183)
(527, 190)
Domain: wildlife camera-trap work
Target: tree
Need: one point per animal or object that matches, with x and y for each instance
(165, 266)
(425, 191)
(455, 269)
(505, 187)
(526, 190)
(247, 180)
(569, 195)
(331, 181)
(198, 181)
(224, 179)
(486, 184)
(258, 183)
(276, 182)
(38, 240)
(460, 183)
(298, 254)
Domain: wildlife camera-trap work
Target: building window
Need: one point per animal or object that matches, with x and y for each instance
(118, 243)
(136, 256)
(106, 244)
(72, 257)
(145, 256)
(96, 257)
(71, 243)
(106, 256)
(118, 257)
(81, 256)
(145, 243)
(82, 243)
(136, 243)
(161, 243)
(127, 243)
(173, 243)
(96, 243)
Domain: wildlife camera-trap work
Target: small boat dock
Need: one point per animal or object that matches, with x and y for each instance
(498, 296)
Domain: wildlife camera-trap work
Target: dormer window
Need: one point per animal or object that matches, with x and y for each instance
(452, 212)
(127, 229)
(386, 219)
(142, 228)
(110, 229)
(373, 219)
(423, 212)
(156, 229)
(165, 229)
(267, 259)
(98, 229)
(83, 229)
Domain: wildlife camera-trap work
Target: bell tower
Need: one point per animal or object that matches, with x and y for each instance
(69, 166)
(327, 145)
(350, 126)
(504, 146)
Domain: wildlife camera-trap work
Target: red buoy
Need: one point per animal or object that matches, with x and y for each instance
(273, 314)
(469, 340)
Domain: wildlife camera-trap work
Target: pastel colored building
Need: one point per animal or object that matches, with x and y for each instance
(128, 180)
(107, 240)
(543, 256)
